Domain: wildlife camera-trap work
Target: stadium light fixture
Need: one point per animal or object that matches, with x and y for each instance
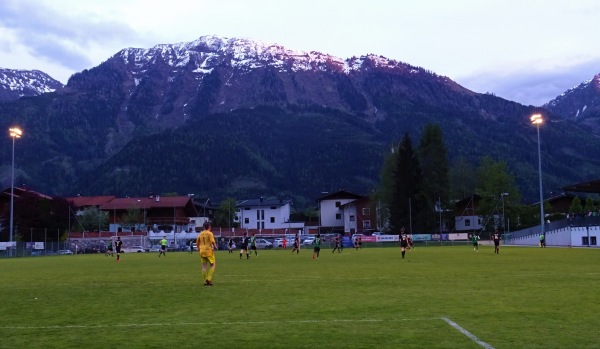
(14, 133)
(537, 120)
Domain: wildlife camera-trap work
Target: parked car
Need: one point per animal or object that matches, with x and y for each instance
(263, 243)
(308, 241)
(155, 248)
(135, 249)
(64, 252)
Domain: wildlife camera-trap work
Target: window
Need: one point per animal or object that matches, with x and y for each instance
(338, 216)
(585, 240)
(366, 211)
(246, 220)
(593, 240)
(272, 219)
(367, 224)
(352, 218)
(467, 222)
(338, 203)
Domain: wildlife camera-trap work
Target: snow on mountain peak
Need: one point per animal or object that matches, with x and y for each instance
(18, 83)
(244, 54)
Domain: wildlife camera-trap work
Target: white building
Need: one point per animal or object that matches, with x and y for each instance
(331, 209)
(265, 214)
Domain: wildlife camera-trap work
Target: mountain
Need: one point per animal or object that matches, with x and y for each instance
(243, 118)
(580, 104)
(17, 83)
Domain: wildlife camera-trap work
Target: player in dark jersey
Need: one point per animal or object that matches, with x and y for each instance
(118, 246)
(244, 247)
(403, 241)
(296, 245)
(230, 245)
(337, 244)
(496, 238)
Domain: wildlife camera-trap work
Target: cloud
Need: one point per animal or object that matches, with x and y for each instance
(58, 36)
(532, 86)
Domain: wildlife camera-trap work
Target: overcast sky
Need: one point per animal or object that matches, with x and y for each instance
(528, 51)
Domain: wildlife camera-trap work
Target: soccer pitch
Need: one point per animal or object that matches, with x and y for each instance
(436, 297)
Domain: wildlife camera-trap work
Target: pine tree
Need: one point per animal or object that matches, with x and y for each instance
(433, 159)
(406, 183)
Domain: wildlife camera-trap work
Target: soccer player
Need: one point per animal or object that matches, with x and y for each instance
(244, 246)
(253, 244)
(542, 240)
(206, 244)
(230, 245)
(496, 238)
(411, 244)
(403, 242)
(109, 248)
(296, 245)
(359, 243)
(316, 246)
(337, 244)
(284, 243)
(118, 245)
(475, 241)
(163, 247)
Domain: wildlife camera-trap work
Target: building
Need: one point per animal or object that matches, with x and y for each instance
(264, 214)
(142, 213)
(340, 212)
(466, 218)
(359, 216)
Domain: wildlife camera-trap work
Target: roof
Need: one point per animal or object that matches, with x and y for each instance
(592, 186)
(86, 201)
(146, 202)
(263, 202)
(18, 191)
(340, 194)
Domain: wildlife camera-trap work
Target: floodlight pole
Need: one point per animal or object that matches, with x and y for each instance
(14, 132)
(536, 119)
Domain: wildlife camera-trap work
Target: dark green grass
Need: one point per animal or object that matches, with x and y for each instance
(521, 298)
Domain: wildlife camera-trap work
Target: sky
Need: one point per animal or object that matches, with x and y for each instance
(528, 51)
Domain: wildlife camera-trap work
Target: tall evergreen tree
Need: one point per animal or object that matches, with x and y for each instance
(435, 188)
(406, 174)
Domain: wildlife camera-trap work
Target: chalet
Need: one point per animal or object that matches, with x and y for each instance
(153, 211)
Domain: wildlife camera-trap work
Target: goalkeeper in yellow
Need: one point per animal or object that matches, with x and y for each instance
(206, 244)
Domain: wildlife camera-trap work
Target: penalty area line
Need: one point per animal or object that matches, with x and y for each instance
(467, 333)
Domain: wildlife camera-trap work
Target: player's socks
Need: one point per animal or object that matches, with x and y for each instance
(403, 252)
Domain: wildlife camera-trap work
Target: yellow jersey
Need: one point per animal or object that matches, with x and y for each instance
(205, 242)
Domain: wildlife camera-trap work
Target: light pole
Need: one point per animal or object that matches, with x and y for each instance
(14, 132)
(536, 119)
(503, 216)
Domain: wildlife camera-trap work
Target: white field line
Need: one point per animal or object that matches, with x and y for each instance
(244, 323)
(467, 333)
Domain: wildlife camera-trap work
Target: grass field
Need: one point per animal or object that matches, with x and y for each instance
(437, 297)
